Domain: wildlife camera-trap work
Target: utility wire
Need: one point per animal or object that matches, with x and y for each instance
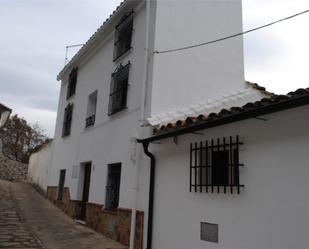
(231, 36)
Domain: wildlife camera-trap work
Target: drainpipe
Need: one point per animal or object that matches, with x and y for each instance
(151, 194)
(140, 129)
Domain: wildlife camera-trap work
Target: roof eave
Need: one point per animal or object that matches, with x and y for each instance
(252, 113)
(86, 47)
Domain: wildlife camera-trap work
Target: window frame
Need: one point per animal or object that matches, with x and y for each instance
(112, 198)
(215, 165)
(119, 89)
(71, 89)
(67, 120)
(91, 109)
(61, 184)
(123, 35)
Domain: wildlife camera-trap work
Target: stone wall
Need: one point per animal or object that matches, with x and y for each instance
(112, 224)
(70, 207)
(11, 170)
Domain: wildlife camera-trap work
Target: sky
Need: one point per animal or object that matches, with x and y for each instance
(34, 34)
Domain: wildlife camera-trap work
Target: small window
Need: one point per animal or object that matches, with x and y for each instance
(214, 165)
(61, 184)
(113, 186)
(91, 109)
(118, 89)
(123, 35)
(67, 120)
(72, 83)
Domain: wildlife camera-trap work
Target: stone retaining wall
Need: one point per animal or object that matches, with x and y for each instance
(11, 170)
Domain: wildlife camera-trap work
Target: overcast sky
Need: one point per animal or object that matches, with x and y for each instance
(34, 33)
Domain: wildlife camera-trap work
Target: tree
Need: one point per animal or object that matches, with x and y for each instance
(21, 139)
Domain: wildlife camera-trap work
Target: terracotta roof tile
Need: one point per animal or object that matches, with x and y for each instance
(204, 118)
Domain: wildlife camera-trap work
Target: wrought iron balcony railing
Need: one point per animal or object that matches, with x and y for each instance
(90, 121)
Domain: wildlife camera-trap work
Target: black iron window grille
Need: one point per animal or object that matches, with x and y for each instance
(214, 166)
(67, 120)
(123, 35)
(113, 186)
(90, 120)
(119, 89)
(72, 83)
(61, 184)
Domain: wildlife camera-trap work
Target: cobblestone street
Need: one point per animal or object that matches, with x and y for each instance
(13, 232)
(27, 220)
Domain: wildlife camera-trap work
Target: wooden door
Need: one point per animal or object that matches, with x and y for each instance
(86, 187)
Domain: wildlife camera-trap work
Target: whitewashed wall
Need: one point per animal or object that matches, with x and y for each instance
(109, 140)
(272, 210)
(39, 166)
(186, 77)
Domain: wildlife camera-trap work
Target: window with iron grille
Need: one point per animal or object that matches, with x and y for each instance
(61, 184)
(119, 89)
(214, 166)
(67, 120)
(123, 35)
(72, 83)
(113, 186)
(91, 109)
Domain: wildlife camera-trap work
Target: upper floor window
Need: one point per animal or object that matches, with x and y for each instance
(214, 166)
(123, 35)
(113, 186)
(72, 83)
(91, 109)
(119, 89)
(67, 120)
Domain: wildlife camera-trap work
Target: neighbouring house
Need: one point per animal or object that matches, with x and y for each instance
(233, 179)
(225, 158)
(4, 114)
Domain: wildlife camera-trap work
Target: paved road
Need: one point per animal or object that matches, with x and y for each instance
(39, 224)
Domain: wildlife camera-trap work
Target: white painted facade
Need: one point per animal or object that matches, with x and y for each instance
(39, 166)
(109, 141)
(271, 212)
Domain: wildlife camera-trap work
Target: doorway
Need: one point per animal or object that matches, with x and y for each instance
(86, 188)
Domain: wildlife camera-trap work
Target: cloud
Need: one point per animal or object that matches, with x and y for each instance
(34, 34)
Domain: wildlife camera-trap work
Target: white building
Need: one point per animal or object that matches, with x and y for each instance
(118, 87)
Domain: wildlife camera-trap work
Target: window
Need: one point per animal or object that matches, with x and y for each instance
(123, 35)
(113, 186)
(72, 83)
(67, 120)
(91, 109)
(118, 89)
(61, 185)
(215, 165)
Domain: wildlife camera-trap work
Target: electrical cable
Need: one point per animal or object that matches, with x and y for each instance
(230, 36)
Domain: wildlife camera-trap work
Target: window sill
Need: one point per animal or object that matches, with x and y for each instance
(66, 135)
(71, 97)
(123, 55)
(110, 211)
(118, 112)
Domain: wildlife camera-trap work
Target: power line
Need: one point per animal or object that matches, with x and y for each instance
(231, 36)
